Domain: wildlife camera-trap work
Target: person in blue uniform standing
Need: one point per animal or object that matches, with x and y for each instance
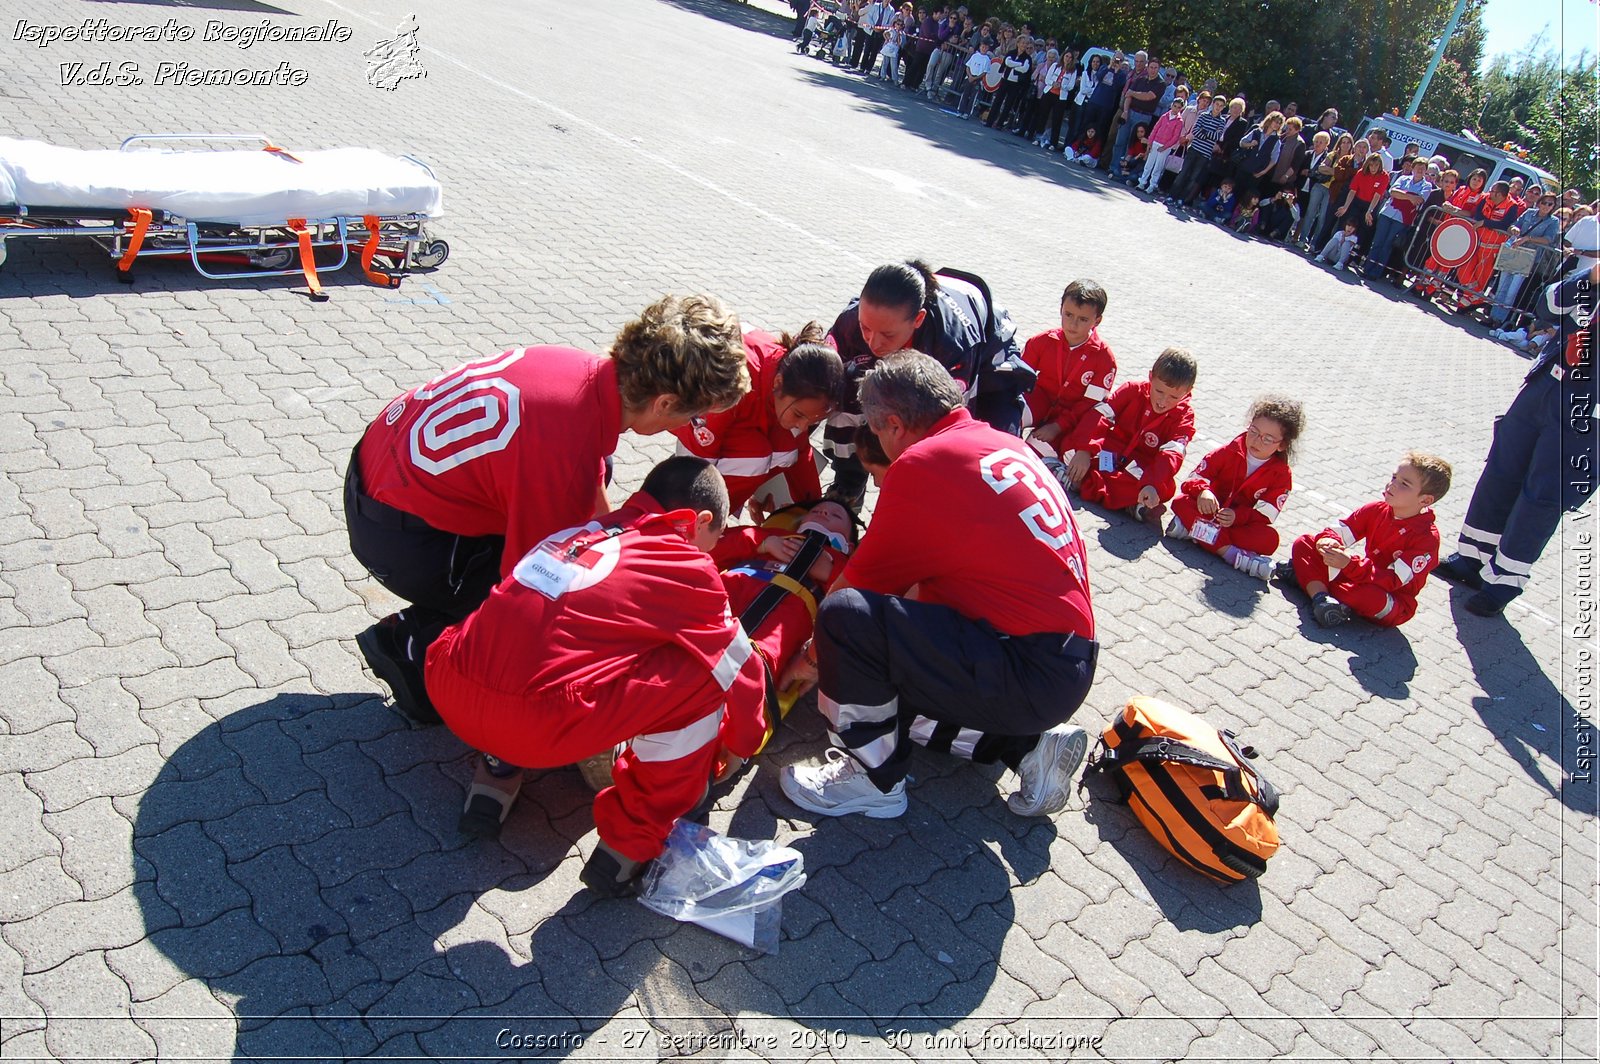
(1542, 460)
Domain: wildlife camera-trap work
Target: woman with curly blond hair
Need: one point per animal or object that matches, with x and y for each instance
(459, 478)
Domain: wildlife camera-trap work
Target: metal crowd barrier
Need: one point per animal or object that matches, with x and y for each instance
(1447, 255)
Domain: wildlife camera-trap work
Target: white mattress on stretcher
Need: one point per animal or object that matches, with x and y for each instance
(233, 187)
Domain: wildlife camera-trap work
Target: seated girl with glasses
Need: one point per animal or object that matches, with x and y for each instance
(1229, 503)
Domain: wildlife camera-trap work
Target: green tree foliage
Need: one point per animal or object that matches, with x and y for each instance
(1530, 101)
(1361, 56)
(1365, 57)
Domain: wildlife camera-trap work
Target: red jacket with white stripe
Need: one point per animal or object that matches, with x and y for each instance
(746, 443)
(1150, 446)
(584, 605)
(1400, 554)
(1254, 497)
(1072, 381)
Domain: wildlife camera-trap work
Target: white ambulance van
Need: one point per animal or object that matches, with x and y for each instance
(1465, 154)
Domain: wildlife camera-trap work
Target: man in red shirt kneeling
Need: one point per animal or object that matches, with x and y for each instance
(616, 631)
(996, 650)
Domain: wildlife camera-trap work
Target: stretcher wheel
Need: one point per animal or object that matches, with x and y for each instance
(431, 254)
(272, 259)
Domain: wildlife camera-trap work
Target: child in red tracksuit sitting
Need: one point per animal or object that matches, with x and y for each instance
(1076, 371)
(1230, 501)
(1146, 429)
(1402, 549)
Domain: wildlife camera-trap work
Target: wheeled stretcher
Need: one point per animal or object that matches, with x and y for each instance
(233, 213)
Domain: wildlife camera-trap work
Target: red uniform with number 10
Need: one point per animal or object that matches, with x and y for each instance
(1020, 563)
(512, 445)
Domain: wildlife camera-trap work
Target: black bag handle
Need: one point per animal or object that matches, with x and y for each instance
(1166, 749)
(1268, 799)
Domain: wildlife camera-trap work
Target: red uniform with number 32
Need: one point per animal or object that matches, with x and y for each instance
(512, 445)
(970, 515)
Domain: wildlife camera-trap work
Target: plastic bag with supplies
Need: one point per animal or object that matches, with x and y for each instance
(734, 887)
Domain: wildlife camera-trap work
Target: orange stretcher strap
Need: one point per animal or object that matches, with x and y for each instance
(308, 262)
(279, 152)
(369, 249)
(141, 225)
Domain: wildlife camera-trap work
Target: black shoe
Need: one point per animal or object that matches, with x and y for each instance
(1329, 611)
(481, 819)
(1467, 572)
(611, 875)
(1487, 603)
(1149, 515)
(1283, 575)
(388, 663)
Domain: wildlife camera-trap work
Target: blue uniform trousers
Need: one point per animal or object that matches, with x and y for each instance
(891, 669)
(1540, 463)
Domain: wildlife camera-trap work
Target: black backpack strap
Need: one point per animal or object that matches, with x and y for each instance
(1164, 749)
(983, 289)
(811, 549)
(1267, 794)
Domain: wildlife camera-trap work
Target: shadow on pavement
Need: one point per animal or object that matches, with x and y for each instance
(1225, 589)
(303, 861)
(254, 7)
(300, 857)
(1527, 713)
(1382, 660)
(1121, 536)
(744, 16)
(1187, 899)
(968, 137)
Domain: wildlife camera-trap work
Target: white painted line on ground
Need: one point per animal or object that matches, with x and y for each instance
(626, 143)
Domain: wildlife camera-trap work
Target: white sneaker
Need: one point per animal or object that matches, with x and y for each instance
(1048, 769)
(840, 786)
(1255, 565)
(1175, 530)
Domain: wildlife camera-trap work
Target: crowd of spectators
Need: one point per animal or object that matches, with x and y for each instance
(1262, 171)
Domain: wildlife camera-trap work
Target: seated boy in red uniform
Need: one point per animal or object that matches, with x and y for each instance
(1402, 549)
(1229, 503)
(1076, 371)
(1146, 429)
(617, 631)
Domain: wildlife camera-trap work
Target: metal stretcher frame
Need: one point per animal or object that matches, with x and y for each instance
(271, 250)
